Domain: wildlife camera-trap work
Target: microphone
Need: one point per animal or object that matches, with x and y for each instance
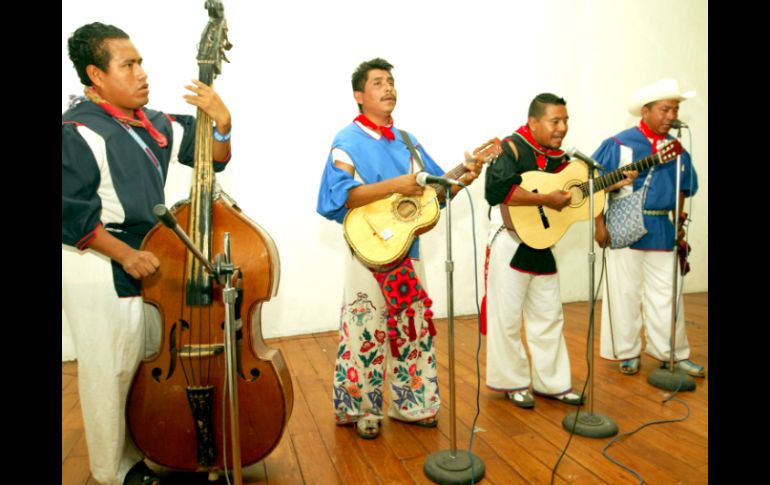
(423, 179)
(164, 215)
(678, 124)
(574, 152)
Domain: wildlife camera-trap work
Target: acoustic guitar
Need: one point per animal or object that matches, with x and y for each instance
(541, 227)
(380, 233)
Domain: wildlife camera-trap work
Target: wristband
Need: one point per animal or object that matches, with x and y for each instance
(220, 137)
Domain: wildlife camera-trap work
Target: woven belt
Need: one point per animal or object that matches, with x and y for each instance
(655, 212)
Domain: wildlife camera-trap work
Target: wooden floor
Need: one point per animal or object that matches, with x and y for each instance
(516, 445)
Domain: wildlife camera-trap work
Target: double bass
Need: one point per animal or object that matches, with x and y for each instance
(175, 410)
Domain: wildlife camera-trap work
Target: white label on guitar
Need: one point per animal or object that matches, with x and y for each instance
(386, 234)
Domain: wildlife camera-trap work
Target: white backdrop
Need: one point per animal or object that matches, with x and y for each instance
(465, 72)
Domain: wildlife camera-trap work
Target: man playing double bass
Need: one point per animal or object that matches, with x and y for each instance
(115, 159)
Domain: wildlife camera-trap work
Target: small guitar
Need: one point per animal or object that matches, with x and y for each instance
(541, 227)
(381, 232)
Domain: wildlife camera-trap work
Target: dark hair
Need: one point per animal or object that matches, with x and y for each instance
(362, 71)
(537, 106)
(86, 46)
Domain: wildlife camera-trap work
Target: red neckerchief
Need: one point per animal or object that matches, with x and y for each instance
(142, 120)
(540, 151)
(383, 130)
(646, 131)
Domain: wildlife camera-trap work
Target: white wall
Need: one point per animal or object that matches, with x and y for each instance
(465, 71)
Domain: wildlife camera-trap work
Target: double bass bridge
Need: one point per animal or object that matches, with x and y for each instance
(201, 350)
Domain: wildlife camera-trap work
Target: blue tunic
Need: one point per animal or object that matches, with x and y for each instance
(375, 160)
(660, 193)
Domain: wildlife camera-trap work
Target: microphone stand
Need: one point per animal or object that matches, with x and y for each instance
(590, 424)
(447, 467)
(672, 379)
(223, 270)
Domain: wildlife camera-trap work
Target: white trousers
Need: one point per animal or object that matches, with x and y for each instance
(636, 294)
(512, 294)
(109, 337)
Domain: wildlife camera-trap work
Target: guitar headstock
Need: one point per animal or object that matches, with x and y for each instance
(488, 152)
(214, 43)
(670, 150)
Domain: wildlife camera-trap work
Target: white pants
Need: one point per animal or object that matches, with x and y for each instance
(512, 294)
(637, 291)
(109, 337)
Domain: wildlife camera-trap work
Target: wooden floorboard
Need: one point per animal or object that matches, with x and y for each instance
(516, 445)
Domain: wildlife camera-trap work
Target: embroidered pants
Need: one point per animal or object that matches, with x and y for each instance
(364, 362)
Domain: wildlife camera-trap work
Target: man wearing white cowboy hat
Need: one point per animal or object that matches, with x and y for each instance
(638, 288)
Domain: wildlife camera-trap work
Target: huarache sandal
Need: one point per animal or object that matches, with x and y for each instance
(688, 367)
(368, 428)
(629, 366)
(429, 422)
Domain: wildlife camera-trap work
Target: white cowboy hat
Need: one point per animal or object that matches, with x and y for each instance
(663, 89)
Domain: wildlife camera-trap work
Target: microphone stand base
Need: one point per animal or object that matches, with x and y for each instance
(590, 425)
(671, 381)
(462, 468)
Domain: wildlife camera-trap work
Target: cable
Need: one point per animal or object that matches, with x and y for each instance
(478, 334)
(591, 318)
(680, 290)
(224, 427)
(673, 394)
(644, 425)
(588, 374)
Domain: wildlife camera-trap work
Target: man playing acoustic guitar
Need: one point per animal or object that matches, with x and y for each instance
(381, 342)
(522, 281)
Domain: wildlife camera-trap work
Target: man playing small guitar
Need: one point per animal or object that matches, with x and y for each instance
(370, 160)
(522, 281)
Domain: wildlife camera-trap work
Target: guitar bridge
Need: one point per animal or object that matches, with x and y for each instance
(385, 234)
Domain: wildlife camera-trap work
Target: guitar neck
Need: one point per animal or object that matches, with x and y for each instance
(486, 153)
(617, 175)
(455, 173)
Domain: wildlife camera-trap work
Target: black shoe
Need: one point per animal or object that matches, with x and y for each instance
(140, 474)
(522, 399)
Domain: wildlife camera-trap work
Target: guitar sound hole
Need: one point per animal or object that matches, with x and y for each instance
(406, 209)
(577, 196)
